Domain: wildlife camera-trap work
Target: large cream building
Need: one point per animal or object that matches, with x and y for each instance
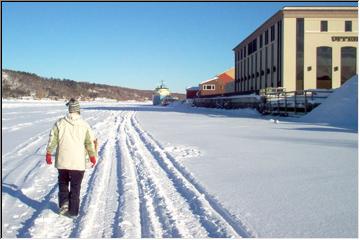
(299, 48)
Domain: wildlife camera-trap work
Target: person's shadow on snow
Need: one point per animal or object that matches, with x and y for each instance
(15, 192)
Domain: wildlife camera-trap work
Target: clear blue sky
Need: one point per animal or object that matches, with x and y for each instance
(130, 44)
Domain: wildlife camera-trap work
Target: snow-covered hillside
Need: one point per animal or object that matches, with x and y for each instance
(182, 172)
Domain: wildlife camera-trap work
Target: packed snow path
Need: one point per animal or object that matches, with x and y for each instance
(136, 190)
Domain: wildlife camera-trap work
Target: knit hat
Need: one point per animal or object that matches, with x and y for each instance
(74, 106)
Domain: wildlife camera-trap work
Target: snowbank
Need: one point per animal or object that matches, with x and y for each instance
(180, 106)
(340, 109)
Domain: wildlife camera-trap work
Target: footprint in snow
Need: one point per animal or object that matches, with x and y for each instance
(183, 152)
(24, 214)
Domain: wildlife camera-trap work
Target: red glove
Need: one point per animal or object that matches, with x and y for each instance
(48, 158)
(93, 160)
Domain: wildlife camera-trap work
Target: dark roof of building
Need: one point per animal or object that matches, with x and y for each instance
(193, 89)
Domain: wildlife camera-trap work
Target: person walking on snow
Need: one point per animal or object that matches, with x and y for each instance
(73, 139)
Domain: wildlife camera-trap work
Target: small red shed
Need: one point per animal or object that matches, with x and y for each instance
(191, 92)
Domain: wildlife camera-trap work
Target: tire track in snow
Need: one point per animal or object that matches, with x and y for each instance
(25, 145)
(113, 202)
(85, 198)
(111, 227)
(92, 216)
(127, 218)
(20, 126)
(214, 218)
(116, 216)
(31, 141)
(164, 212)
(150, 225)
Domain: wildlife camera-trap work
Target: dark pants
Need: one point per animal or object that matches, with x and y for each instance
(73, 196)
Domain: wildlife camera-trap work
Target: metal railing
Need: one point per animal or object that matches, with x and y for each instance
(278, 101)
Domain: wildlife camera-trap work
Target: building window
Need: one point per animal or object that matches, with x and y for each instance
(242, 71)
(248, 74)
(266, 64)
(271, 64)
(261, 71)
(245, 67)
(348, 63)
(266, 37)
(272, 33)
(299, 54)
(324, 67)
(348, 26)
(252, 46)
(279, 50)
(209, 87)
(324, 26)
(255, 69)
(261, 40)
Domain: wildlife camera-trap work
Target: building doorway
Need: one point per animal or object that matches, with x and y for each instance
(324, 67)
(348, 63)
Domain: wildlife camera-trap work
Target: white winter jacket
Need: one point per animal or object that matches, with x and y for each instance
(73, 139)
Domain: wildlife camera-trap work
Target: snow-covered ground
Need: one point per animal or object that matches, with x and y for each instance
(184, 172)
